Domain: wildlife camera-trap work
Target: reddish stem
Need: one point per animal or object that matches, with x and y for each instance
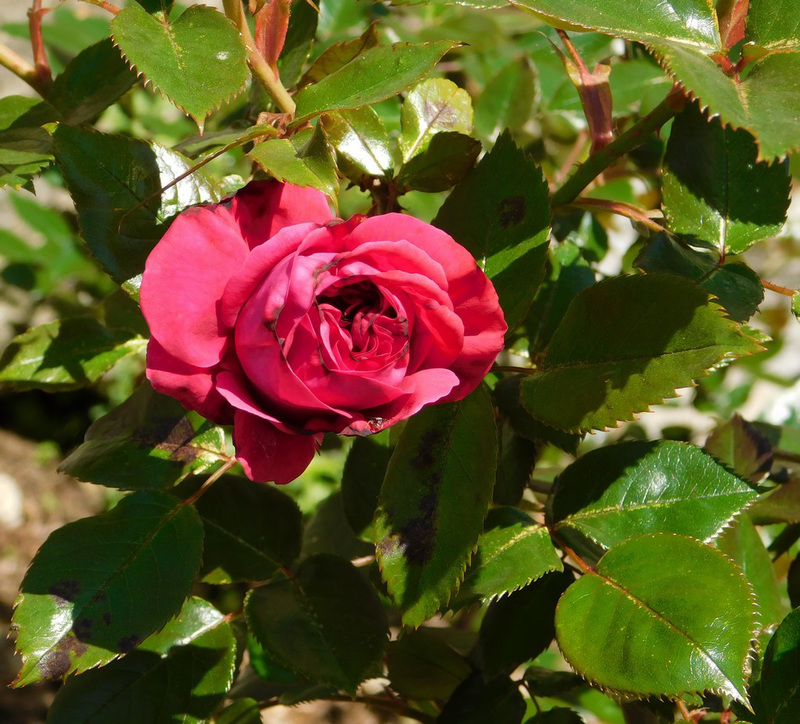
(786, 291)
(44, 76)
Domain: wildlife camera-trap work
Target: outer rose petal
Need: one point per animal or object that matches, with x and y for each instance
(185, 276)
(262, 208)
(193, 387)
(267, 454)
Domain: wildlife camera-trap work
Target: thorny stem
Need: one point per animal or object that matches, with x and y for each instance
(590, 169)
(258, 65)
(394, 705)
(113, 9)
(541, 486)
(512, 369)
(216, 475)
(786, 291)
(21, 68)
(41, 65)
(786, 455)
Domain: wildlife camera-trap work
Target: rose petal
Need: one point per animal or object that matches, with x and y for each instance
(263, 208)
(184, 278)
(193, 387)
(268, 454)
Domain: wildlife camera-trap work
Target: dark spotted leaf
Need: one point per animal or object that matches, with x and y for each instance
(513, 550)
(375, 75)
(625, 350)
(714, 190)
(433, 502)
(149, 441)
(109, 177)
(501, 213)
(180, 674)
(613, 493)
(197, 61)
(66, 354)
(87, 596)
(325, 622)
(679, 638)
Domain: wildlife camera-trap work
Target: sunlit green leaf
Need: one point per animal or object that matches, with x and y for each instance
(686, 623)
(624, 350)
(197, 60)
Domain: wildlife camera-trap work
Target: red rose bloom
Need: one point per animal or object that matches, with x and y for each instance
(267, 313)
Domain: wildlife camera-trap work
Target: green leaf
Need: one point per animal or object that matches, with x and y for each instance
(556, 715)
(109, 177)
(743, 544)
(299, 40)
(715, 191)
(250, 530)
(477, 702)
(544, 682)
(241, 711)
(433, 502)
(149, 441)
(179, 674)
(444, 162)
(663, 348)
(742, 447)
(690, 22)
(431, 107)
(375, 75)
(515, 465)
(305, 159)
(796, 305)
(329, 531)
(613, 493)
(501, 213)
(66, 354)
(93, 80)
(361, 143)
(339, 55)
(362, 479)
(86, 597)
(25, 147)
(776, 696)
(569, 275)
(421, 666)
(325, 622)
(512, 551)
(197, 61)
(506, 395)
(519, 627)
(684, 611)
(735, 285)
(508, 100)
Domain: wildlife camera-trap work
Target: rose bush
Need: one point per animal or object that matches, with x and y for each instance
(268, 313)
